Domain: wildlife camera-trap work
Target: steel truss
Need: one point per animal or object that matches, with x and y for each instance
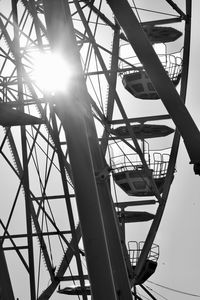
(63, 219)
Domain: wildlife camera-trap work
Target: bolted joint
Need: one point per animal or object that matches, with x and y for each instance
(102, 175)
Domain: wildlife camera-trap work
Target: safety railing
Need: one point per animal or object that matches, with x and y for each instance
(156, 161)
(135, 249)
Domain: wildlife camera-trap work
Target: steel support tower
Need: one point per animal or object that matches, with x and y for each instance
(78, 158)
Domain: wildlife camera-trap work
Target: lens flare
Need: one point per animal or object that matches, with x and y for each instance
(51, 72)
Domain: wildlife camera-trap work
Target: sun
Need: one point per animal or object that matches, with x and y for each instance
(51, 72)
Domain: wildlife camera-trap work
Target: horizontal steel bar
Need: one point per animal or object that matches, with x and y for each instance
(140, 119)
(17, 236)
(14, 248)
(55, 197)
(72, 278)
(163, 21)
(135, 203)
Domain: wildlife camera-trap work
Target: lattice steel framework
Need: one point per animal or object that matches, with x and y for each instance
(62, 216)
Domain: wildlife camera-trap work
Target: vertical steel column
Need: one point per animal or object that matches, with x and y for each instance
(96, 249)
(6, 292)
(25, 177)
(113, 234)
(72, 114)
(112, 86)
(68, 202)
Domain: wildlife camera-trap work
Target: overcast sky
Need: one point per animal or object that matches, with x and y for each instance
(178, 236)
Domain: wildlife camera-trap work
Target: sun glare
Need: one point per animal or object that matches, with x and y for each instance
(51, 72)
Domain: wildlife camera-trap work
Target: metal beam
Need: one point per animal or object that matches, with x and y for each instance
(15, 247)
(112, 87)
(57, 197)
(68, 202)
(100, 14)
(159, 77)
(25, 177)
(73, 115)
(135, 203)
(141, 119)
(73, 278)
(163, 21)
(68, 255)
(147, 291)
(95, 244)
(19, 236)
(6, 291)
(177, 9)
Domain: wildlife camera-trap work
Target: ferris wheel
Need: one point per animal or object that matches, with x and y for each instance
(91, 111)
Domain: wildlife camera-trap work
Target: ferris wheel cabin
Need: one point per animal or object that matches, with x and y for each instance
(128, 171)
(140, 85)
(158, 34)
(137, 82)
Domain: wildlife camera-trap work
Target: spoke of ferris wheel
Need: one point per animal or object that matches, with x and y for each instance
(147, 291)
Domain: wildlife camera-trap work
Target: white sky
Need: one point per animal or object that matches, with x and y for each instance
(178, 235)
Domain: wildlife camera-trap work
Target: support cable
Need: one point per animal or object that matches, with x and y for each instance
(174, 290)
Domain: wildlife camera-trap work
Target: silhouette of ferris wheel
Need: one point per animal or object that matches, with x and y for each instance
(92, 110)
